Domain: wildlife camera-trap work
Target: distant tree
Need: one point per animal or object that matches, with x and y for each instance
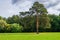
(55, 22)
(13, 19)
(2, 25)
(0, 17)
(25, 21)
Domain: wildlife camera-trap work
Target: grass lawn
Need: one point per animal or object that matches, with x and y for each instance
(30, 36)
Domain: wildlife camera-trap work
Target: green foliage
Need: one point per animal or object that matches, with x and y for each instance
(44, 21)
(55, 22)
(39, 8)
(2, 25)
(0, 17)
(14, 28)
(13, 19)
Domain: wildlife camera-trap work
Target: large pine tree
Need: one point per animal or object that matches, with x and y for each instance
(41, 12)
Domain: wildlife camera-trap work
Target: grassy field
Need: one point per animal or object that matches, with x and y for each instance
(29, 36)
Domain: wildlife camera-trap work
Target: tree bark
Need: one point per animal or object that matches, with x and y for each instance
(37, 23)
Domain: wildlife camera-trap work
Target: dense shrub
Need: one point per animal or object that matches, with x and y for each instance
(14, 28)
(4, 27)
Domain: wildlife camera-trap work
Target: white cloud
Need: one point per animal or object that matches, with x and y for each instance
(24, 6)
(53, 11)
(57, 6)
(8, 9)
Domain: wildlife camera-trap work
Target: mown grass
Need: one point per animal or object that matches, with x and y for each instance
(30, 36)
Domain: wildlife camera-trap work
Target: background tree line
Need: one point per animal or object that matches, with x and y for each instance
(26, 21)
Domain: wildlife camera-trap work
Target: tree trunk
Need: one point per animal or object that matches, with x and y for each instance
(37, 22)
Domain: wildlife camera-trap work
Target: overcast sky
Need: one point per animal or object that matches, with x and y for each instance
(11, 7)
